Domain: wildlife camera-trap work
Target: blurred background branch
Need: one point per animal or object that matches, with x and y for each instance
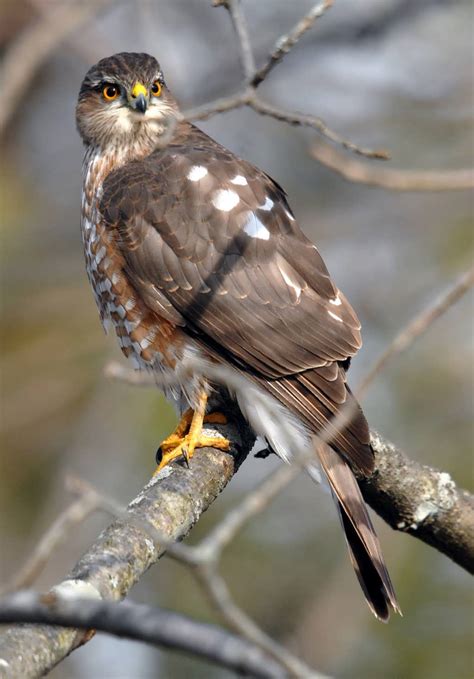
(148, 624)
(35, 44)
(389, 178)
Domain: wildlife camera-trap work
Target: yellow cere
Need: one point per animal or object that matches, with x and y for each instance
(138, 89)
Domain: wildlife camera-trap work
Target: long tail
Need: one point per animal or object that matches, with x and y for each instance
(362, 541)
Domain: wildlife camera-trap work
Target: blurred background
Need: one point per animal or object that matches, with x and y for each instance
(382, 73)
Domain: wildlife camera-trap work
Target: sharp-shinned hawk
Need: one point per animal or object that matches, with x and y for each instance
(197, 261)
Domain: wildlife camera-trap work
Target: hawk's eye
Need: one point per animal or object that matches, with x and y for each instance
(156, 89)
(110, 92)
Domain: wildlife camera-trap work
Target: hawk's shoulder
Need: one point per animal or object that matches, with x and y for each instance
(216, 236)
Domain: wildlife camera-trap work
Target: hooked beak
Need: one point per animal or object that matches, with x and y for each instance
(139, 98)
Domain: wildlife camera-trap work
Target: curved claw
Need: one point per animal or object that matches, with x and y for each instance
(188, 435)
(185, 449)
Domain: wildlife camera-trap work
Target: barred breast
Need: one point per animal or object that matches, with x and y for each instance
(148, 340)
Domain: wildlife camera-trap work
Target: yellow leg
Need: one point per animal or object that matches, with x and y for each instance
(176, 436)
(188, 435)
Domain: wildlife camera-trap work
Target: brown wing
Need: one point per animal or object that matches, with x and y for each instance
(216, 237)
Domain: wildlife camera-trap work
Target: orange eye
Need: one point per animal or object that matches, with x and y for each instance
(110, 92)
(156, 89)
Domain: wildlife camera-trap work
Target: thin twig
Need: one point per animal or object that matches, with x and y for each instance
(248, 95)
(241, 623)
(61, 529)
(221, 105)
(252, 504)
(286, 42)
(306, 120)
(151, 625)
(417, 326)
(390, 178)
(250, 98)
(241, 31)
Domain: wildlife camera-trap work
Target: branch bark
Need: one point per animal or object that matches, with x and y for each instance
(421, 501)
(153, 625)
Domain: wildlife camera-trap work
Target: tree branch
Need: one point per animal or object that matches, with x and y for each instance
(243, 39)
(389, 178)
(152, 625)
(286, 42)
(418, 326)
(421, 501)
(306, 120)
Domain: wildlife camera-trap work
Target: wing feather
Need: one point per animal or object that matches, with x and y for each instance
(271, 293)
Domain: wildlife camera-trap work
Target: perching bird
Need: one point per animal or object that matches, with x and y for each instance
(197, 261)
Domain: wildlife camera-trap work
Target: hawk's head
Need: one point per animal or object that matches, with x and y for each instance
(123, 99)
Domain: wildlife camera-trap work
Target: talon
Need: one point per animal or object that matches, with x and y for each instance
(185, 457)
(188, 435)
(159, 455)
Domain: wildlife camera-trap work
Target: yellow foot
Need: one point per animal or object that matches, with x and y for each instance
(188, 436)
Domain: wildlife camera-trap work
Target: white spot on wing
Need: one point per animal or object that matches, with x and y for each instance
(225, 199)
(196, 173)
(336, 301)
(255, 229)
(335, 316)
(239, 179)
(268, 204)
